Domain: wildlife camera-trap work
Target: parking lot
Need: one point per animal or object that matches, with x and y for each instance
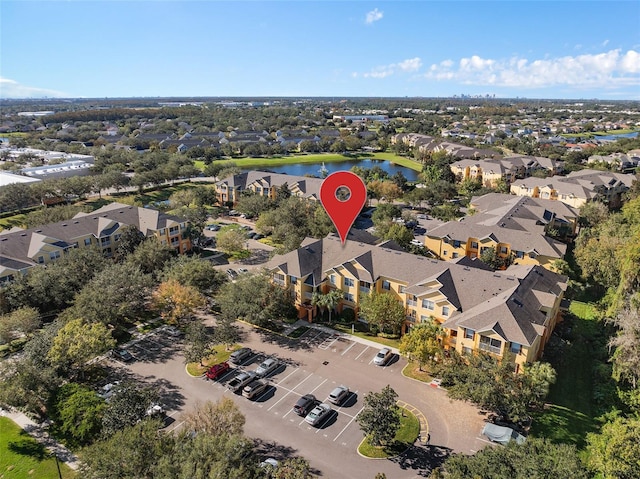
(315, 363)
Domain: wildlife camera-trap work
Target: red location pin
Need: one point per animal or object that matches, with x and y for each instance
(343, 194)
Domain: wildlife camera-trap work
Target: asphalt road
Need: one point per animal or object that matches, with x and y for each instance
(315, 363)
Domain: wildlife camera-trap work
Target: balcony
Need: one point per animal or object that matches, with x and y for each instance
(490, 349)
(411, 302)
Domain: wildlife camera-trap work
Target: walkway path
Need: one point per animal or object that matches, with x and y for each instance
(42, 436)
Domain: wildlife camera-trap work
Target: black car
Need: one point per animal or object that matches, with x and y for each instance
(305, 404)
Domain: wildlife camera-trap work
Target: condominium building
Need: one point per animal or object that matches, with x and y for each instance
(512, 311)
(21, 249)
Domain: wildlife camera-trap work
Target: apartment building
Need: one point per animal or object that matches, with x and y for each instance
(578, 187)
(21, 249)
(499, 312)
(229, 189)
(514, 227)
(491, 171)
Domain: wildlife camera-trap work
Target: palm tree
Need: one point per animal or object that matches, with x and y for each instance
(329, 300)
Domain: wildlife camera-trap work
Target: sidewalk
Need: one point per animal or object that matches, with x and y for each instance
(42, 436)
(303, 322)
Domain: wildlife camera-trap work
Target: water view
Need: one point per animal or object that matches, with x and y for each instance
(315, 169)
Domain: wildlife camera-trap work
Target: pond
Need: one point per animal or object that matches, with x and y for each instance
(301, 169)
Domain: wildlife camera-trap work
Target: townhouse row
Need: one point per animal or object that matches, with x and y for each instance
(21, 249)
(505, 312)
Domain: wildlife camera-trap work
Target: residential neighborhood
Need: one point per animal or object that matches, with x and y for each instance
(170, 266)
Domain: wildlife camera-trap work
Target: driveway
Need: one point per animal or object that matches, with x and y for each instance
(315, 363)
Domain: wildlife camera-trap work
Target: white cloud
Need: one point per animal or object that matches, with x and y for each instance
(12, 89)
(373, 16)
(604, 70)
(605, 43)
(406, 66)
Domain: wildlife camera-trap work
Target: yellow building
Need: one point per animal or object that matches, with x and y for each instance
(23, 249)
(524, 301)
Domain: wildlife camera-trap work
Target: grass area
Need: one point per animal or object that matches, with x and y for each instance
(296, 333)
(22, 457)
(346, 328)
(405, 437)
(219, 354)
(412, 370)
(569, 414)
(317, 158)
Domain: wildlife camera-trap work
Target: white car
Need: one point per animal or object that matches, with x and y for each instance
(339, 394)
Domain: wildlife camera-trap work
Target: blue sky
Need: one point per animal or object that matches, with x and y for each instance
(113, 48)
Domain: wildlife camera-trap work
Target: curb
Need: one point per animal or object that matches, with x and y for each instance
(423, 436)
(415, 412)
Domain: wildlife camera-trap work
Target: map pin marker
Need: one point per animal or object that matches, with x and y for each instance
(343, 194)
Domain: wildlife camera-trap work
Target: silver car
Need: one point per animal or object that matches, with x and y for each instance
(339, 394)
(383, 357)
(318, 414)
(267, 367)
(254, 388)
(240, 380)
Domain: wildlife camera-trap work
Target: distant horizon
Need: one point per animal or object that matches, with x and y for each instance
(302, 97)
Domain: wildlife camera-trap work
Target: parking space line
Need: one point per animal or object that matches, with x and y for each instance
(319, 333)
(284, 379)
(345, 351)
(289, 392)
(363, 351)
(353, 418)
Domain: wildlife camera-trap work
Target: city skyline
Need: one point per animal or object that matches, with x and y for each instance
(543, 49)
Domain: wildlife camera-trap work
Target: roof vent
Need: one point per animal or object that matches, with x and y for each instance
(38, 231)
(4, 239)
(76, 222)
(23, 234)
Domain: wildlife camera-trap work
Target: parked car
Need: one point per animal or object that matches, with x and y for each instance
(267, 367)
(383, 357)
(122, 355)
(416, 242)
(231, 274)
(252, 235)
(107, 390)
(269, 462)
(240, 355)
(339, 394)
(213, 227)
(318, 414)
(305, 404)
(254, 388)
(242, 270)
(173, 331)
(155, 410)
(258, 236)
(240, 380)
(217, 370)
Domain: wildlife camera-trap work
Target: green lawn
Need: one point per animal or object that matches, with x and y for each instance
(317, 158)
(393, 343)
(21, 457)
(405, 437)
(568, 416)
(219, 354)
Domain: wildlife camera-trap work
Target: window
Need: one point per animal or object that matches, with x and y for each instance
(401, 289)
(467, 351)
(294, 280)
(107, 252)
(54, 254)
(278, 278)
(533, 254)
(412, 300)
(386, 285)
(411, 315)
(503, 249)
(106, 241)
(332, 279)
(348, 282)
(456, 244)
(41, 259)
(519, 254)
(474, 245)
(445, 311)
(423, 318)
(348, 297)
(516, 348)
(117, 237)
(162, 231)
(428, 304)
(469, 333)
(365, 287)
(490, 344)
(87, 241)
(454, 255)
(445, 253)
(173, 230)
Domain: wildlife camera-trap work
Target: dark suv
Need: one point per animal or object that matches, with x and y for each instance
(305, 404)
